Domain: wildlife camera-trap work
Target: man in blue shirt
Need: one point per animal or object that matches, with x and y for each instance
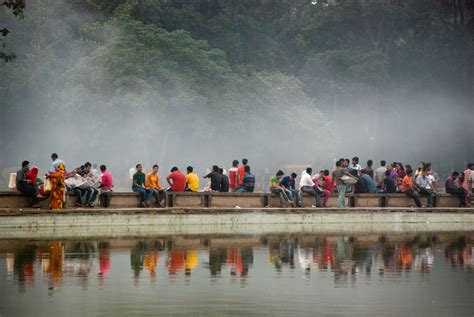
(289, 182)
(369, 181)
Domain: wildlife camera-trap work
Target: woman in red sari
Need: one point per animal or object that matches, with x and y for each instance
(57, 187)
(32, 175)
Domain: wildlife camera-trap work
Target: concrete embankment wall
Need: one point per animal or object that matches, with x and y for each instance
(50, 226)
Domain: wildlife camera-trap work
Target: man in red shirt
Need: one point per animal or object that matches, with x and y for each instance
(234, 176)
(178, 179)
(241, 172)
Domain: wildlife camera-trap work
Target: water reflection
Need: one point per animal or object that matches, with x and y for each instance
(346, 258)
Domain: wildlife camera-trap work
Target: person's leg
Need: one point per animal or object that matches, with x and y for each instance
(297, 195)
(141, 192)
(79, 194)
(93, 197)
(161, 196)
(149, 194)
(277, 192)
(411, 193)
(289, 194)
(326, 195)
(429, 196)
(311, 191)
(341, 201)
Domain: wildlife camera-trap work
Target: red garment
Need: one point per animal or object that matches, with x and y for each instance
(106, 181)
(179, 181)
(329, 183)
(32, 175)
(233, 173)
(241, 171)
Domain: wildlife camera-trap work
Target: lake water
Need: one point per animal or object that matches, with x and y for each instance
(274, 274)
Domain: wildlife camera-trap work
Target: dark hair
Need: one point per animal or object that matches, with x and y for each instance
(294, 175)
(370, 163)
(409, 171)
(401, 166)
(347, 160)
(156, 165)
(215, 168)
(247, 169)
(54, 156)
(24, 164)
(470, 165)
(382, 163)
(220, 170)
(280, 173)
(174, 169)
(455, 173)
(88, 164)
(245, 161)
(355, 158)
(235, 163)
(309, 170)
(387, 173)
(103, 168)
(189, 169)
(326, 173)
(136, 166)
(338, 163)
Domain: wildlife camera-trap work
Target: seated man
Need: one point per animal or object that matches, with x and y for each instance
(215, 178)
(360, 187)
(369, 181)
(106, 185)
(152, 182)
(289, 183)
(248, 181)
(307, 186)
(192, 180)
(92, 178)
(25, 185)
(224, 188)
(426, 185)
(75, 182)
(138, 186)
(408, 187)
(388, 184)
(177, 180)
(276, 188)
(453, 187)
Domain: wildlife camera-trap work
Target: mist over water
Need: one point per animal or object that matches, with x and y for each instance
(108, 88)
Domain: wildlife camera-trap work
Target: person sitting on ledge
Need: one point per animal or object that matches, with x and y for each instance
(138, 186)
(234, 176)
(276, 188)
(241, 172)
(152, 181)
(408, 187)
(307, 186)
(192, 180)
(106, 185)
(92, 178)
(215, 178)
(289, 182)
(453, 187)
(224, 188)
(248, 182)
(177, 180)
(24, 185)
(360, 187)
(426, 186)
(388, 185)
(369, 181)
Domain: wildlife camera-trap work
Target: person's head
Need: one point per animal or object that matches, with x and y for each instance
(139, 168)
(400, 166)
(174, 169)
(321, 173)
(247, 169)
(326, 173)
(189, 169)
(309, 170)
(455, 175)
(387, 173)
(421, 165)
(54, 156)
(220, 170)
(355, 160)
(215, 168)
(155, 168)
(244, 161)
(382, 163)
(370, 163)
(428, 166)
(87, 167)
(346, 162)
(235, 163)
(25, 165)
(293, 175)
(389, 167)
(470, 166)
(424, 172)
(103, 168)
(280, 174)
(409, 171)
(338, 163)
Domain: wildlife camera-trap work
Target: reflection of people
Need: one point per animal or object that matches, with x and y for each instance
(191, 261)
(150, 261)
(56, 260)
(175, 261)
(104, 259)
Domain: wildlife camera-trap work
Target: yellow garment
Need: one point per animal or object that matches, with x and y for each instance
(152, 181)
(193, 181)
(191, 259)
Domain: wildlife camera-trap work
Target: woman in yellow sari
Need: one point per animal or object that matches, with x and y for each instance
(57, 187)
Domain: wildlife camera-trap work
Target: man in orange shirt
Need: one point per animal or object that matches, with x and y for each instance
(152, 182)
(408, 187)
(241, 172)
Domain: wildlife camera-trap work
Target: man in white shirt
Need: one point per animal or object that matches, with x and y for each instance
(307, 186)
(355, 165)
(380, 173)
(426, 185)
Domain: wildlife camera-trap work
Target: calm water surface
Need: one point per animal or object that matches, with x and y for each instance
(298, 274)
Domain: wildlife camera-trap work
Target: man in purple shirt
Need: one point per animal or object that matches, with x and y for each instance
(452, 187)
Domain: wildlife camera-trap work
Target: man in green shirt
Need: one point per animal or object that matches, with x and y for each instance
(138, 186)
(276, 188)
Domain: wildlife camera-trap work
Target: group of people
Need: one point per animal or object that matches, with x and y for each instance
(348, 176)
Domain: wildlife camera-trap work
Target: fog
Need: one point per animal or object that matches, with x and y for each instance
(65, 93)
